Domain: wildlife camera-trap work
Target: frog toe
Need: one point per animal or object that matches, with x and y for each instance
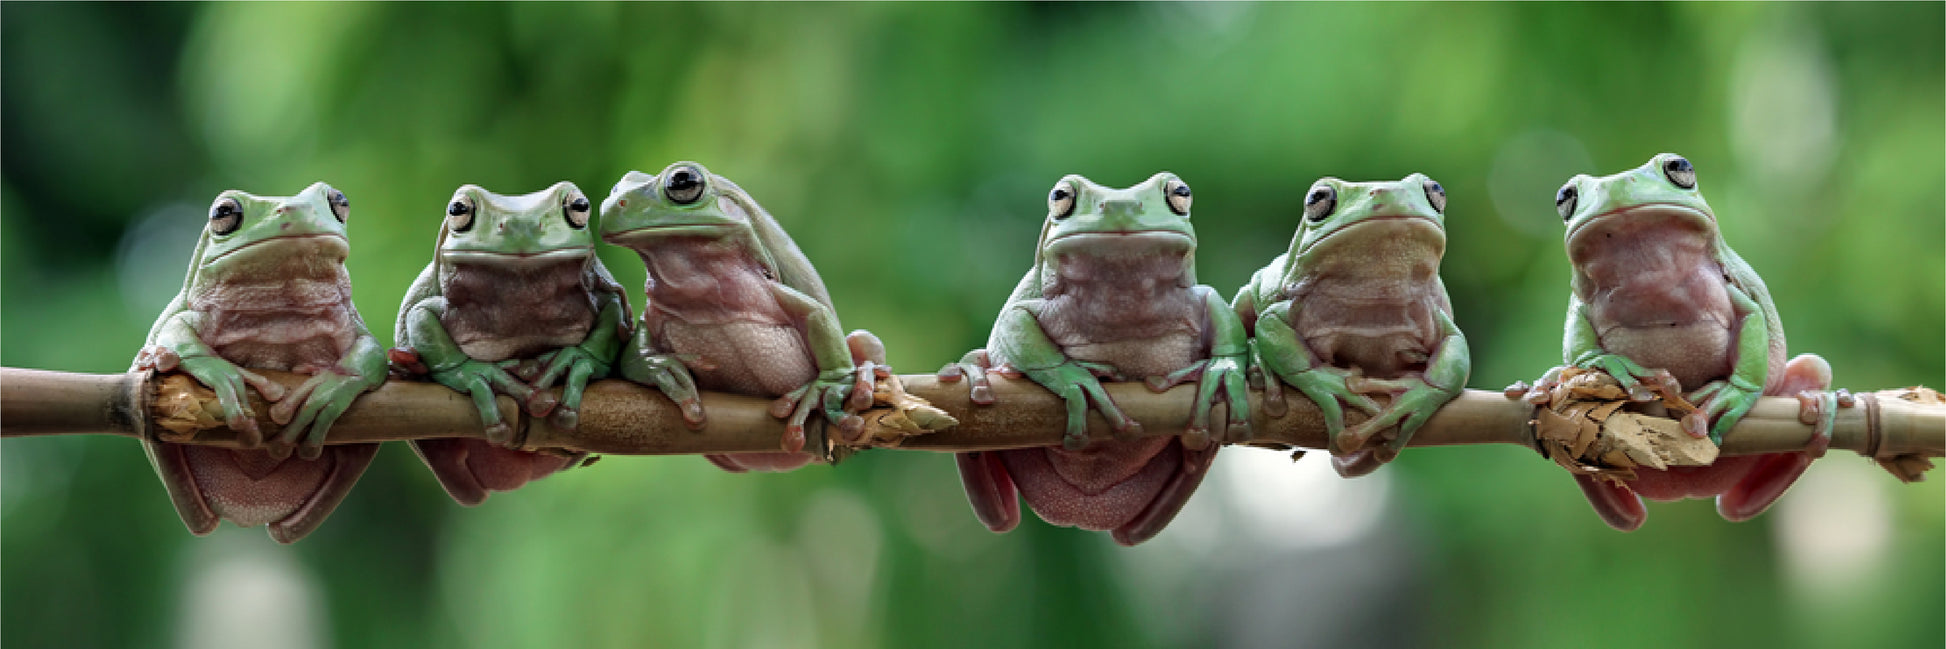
(1617, 506)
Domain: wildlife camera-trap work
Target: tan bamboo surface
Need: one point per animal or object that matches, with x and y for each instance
(619, 417)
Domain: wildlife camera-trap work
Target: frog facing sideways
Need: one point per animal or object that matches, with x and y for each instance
(514, 301)
(267, 289)
(1661, 301)
(1112, 295)
(1356, 307)
(734, 306)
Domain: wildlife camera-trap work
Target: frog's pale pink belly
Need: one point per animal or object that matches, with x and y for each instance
(1382, 338)
(750, 358)
(1138, 358)
(296, 339)
(1695, 353)
(500, 312)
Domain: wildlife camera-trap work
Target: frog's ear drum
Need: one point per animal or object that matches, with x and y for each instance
(1680, 172)
(1177, 192)
(225, 215)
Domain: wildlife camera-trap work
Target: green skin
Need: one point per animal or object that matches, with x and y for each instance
(1663, 304)
(1356, 307)
(732, 305)
(269, 291)
(514, 233)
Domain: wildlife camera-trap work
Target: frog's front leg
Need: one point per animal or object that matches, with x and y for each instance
(317, 403)
(1584, 350)
(592, 359)
(1025, 346)
(451, 367)
(1415, 397)
(838, 379)
(178, 347)
(1221, 378)
(1773, 473)
(1723, 402)
(641, 363)
(1292, 361)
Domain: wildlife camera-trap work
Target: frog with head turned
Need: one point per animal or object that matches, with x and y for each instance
(1356, 307)
(514, 301)
(1112, 295)
(734, 306)
(267, 289)
(1661, 301)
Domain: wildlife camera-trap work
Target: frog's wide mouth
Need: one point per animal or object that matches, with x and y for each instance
(1407, 225)
(515, 258)
(1122, 242)
(654, 232)
(341, 249)
(1632, 220)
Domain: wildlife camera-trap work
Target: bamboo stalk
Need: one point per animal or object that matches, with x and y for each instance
(622, 418)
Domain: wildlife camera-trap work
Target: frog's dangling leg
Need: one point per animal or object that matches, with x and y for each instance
(1616, 504)
(1170, 500)
(989, 489)
(291, 496)
(1774, 473)
(471, 468)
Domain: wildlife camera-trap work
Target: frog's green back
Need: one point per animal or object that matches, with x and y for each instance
(783, 256)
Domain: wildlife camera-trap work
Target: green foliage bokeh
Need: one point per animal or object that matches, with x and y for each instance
(908, 149)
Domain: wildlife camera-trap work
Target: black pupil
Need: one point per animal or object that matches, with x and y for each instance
(1566, 194)
(1679, 165)
(225, 209)
(683, 179)
(341, 201)
(1058, 195)
(1317, 196)
(1181, 190)
(456, 209)
(1436, 189)
(579, 205)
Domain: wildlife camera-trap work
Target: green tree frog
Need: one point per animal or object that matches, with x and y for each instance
(1356, 307)
(514, 301)
(1660, 300)
(1112, 295)
(267, 289)
(734, 306)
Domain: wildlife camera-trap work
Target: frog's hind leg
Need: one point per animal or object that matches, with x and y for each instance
(290, 495)
(469, 469)
(990, 490)
(1170, 500)
(1619, 507)
(1771, 474)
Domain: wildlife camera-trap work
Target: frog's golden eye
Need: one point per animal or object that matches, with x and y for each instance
(684, 185)
(1177, 192)
(225, 215)
(1322, 199)
(1564, 201)
(340, 205)
(1060, 201)
(577, 212)
(1436, 194)
(1680, 172)
(459, 214)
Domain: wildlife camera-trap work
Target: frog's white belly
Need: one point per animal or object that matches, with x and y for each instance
(1139, 358)
(752, 358)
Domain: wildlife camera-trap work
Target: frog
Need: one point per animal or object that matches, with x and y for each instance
(1662, 303)
(1112, 295)
(734, 306)
(1356, 307)
(514, 301)
(267, 289)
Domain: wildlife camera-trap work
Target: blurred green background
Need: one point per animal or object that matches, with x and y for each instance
(909, 148)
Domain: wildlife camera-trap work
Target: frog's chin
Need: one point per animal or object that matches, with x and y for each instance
(1395, 228)
(1131, 243)
(1636, 223)
(651, 234)
(502, 258)
(310, 244)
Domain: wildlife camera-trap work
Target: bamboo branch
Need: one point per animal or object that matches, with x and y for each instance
(619, 417)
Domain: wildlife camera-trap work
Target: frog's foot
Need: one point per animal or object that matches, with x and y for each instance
(1772, 474)
(1413, 402)
(1720, 405)
(670, 374)
(1642, 384)
(1819, 409)
(1222, 400)
(1077, 383)
(1327, 387)
(229, 383)
(868, 360)
(309, 411)
(828, 393)
(479, 380)
(1541, 392)
(577, 366)
(470, 469)
(974, 367)
(406, 360)
(1261, 376)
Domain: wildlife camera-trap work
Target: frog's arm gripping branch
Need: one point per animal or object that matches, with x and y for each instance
(619, 417)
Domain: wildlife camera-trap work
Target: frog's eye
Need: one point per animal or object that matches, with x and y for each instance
(459, 214)
(1680, 172)
(225, 215)
(1436, 194)
(340, 205)
(684, 185)
(1319, 203)
(577, 212)
(1060, 201)
(1564, 201)
(1177, 192)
